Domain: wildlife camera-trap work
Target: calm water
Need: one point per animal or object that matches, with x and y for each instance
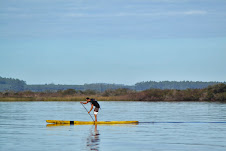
(164, 126)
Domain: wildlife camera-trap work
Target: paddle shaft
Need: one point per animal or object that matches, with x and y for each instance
(87, 111)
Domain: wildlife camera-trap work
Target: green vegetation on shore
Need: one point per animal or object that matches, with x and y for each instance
(211, 93)
(16, 85)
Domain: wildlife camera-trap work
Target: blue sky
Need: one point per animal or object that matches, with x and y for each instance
(114, 41)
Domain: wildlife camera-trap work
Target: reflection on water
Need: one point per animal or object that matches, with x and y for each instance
(131, 124)
(93, 140)
(53, 125)
(176, 126)
(93, 135)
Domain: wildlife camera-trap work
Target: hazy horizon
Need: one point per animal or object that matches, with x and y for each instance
(106, 82)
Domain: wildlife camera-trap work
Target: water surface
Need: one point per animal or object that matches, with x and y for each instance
(163, 126)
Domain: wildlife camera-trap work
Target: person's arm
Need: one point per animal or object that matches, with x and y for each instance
(91, 108)
(84, 103)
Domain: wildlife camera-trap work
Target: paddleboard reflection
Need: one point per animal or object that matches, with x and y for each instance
(93, 140)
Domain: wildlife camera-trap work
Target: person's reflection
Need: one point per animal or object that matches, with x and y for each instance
(93, 140)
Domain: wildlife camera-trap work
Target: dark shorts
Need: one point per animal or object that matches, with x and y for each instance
(96, 109)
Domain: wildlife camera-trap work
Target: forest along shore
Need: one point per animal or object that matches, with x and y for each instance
(212, 93)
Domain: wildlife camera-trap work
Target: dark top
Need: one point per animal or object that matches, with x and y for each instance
(95, 103)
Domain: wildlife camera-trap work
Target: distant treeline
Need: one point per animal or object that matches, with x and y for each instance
(9, 84)
(211, 93)
(101, 87)
(181, 85)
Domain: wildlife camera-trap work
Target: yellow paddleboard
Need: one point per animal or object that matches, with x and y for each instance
(90, 122)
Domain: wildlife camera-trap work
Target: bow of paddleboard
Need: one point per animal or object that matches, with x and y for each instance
(90, 122)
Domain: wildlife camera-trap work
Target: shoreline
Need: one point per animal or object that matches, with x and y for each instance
(77, 99)
(8, 99)
(216, 93)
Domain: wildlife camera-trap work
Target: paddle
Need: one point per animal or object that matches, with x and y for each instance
(87, 111)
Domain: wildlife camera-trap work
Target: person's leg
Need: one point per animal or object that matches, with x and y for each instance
(95, 113)
(95, 117)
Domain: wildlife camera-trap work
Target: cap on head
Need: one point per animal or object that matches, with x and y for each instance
(87, 98)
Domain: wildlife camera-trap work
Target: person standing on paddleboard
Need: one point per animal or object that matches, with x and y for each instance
(93, 103)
